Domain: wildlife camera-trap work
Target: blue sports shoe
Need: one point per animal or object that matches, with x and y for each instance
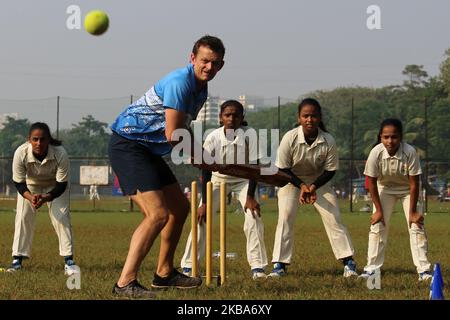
(258, 273)
(350, 269)
(366, 274)
(16, 265)
(71, 268)
(187, 271)
(279, 270)
(425, 276)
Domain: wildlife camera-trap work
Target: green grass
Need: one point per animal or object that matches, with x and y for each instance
(102, 238)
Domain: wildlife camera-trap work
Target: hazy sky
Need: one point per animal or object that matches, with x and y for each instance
(274, 48)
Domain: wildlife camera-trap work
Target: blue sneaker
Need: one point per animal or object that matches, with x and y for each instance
(187, 271)
(71, 268)
(258, 273)
(16, 265)
(350, 269)
(279, 270)
(366, 274)
(425, 276)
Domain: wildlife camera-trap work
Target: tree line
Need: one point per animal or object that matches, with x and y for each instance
(351, 114)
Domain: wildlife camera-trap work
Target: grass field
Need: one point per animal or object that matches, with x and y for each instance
(102, 238)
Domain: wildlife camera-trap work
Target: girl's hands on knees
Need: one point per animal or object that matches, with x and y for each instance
(305, 194)
(313, 196)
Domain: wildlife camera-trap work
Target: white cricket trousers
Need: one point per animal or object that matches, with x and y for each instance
(327, 206)
(253, 229)
(26, 220)
(378, 236)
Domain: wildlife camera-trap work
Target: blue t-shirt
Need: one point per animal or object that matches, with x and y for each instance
(145, 119)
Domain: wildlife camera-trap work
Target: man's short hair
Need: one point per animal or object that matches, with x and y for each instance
(214, 43)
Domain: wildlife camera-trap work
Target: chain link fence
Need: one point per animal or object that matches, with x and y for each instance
(353, 122)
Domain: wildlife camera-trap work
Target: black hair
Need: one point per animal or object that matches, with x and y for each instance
(390, 122)
(44, 127)
(234, 103)
(214, 43)
(316, 105)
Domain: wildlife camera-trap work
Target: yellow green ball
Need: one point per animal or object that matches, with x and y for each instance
(96, 22)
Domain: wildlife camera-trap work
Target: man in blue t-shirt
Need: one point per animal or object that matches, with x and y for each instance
(142, 134)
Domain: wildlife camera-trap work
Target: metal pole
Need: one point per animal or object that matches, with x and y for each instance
(426, 158)
(131, 201)
(57, 117)
(351, 159)
(279, 105)
(3, 177)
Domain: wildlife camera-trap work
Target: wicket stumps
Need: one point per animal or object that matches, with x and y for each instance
(209, 223)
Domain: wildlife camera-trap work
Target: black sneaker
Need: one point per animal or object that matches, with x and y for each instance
(176, 279)
(134, 290)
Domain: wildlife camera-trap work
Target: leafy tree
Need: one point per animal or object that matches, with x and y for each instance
(88, 138)
(416, 75)
(13, 134)
(445, 71)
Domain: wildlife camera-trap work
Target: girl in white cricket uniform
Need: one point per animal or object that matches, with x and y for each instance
(393, 170)
(309, 154)
(228, 144)
(41, 174)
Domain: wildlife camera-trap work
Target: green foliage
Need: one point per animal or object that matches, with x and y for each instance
(13, 134)
(445, 71)
(88, 138)
(422, 103)
(419, 99)
(416, 75)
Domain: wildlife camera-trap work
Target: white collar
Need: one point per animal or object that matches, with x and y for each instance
(301, 137)
(398, 155)
(32, 158)
(239, 139)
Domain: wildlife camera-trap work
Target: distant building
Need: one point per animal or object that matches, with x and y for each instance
(209, 113)
(251, 103)
(4, 116)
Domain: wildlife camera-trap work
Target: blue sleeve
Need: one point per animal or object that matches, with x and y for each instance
(176, 95)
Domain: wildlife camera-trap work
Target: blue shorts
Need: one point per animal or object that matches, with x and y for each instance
(136, 167)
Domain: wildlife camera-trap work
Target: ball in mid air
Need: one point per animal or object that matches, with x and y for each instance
(96, 22)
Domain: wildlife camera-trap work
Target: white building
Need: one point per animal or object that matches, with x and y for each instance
(251, 103)
(209, 113)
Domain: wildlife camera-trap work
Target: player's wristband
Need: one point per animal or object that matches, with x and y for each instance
(323, 178)
(21, 187)
(58, 190)
(296, 181)
(251, 188)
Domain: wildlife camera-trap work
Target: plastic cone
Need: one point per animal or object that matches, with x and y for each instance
(437, 284)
